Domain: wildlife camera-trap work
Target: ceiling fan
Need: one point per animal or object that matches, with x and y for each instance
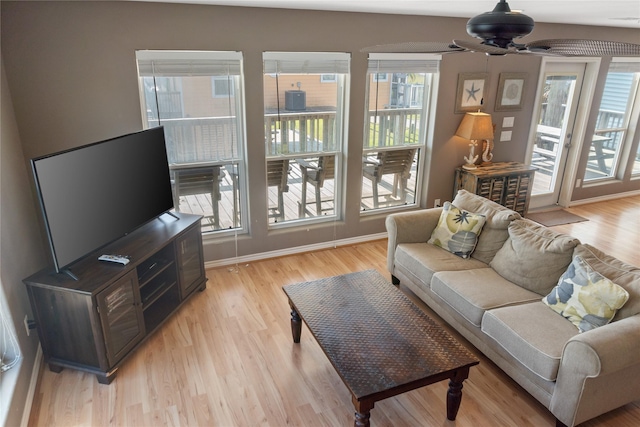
(498, 29)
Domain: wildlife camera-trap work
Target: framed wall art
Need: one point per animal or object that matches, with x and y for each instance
(510, 91)
(471, 91)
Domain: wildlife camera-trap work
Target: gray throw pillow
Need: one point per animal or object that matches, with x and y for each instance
(534, 257)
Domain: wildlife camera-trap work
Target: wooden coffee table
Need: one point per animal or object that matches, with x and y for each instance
(379, 342)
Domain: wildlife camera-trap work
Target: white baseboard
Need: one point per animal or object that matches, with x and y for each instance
(294, 250)
(35, 372)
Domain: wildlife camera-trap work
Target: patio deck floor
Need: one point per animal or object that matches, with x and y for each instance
(202, 204)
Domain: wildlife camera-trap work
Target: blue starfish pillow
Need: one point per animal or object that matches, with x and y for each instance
(457, 230)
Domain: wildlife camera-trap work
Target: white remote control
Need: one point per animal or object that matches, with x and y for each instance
(120, 259)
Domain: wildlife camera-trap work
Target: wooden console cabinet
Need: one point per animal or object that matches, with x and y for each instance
(93, 323)
(507, 183)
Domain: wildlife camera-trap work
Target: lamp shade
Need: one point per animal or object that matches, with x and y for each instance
(475, 126)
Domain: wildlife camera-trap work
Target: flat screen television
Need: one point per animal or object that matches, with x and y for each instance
(94, 194)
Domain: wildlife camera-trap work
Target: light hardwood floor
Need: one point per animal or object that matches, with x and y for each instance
(227, 357)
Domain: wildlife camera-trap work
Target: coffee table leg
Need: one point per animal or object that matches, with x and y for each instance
(454, 395)
(296, 324)
(363, 412)
(362, 420)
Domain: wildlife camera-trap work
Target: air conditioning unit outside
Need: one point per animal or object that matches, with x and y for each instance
(295, 100)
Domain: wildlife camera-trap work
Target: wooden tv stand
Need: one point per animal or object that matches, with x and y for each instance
(93, 323)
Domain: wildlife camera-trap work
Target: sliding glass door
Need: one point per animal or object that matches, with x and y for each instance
(558, 123)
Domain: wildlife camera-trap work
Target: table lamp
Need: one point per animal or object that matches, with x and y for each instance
(475, 127)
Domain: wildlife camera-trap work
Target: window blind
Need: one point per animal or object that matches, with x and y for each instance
(403, 63)
(188, 63)
(625, 65)
(306, 62)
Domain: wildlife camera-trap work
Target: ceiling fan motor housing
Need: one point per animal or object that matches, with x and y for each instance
(500, 26)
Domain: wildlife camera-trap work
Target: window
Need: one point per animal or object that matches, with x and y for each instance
(198, 98)
(222, 86)
(609, 150)
(380, 77)
(304, 108)
(399, 91)
(10, 355)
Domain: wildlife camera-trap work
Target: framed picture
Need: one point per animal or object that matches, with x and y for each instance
(471, 91)
(510, 91)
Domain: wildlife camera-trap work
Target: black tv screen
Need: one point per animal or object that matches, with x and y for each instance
(97, 193)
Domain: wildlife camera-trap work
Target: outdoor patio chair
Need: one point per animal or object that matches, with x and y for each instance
(315, 174)
(191, 180)
(396, 162)
(277, 174)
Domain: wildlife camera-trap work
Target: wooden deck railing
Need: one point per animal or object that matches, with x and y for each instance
(215, 139)
(300, 132)
(393, 127)
(208, 139)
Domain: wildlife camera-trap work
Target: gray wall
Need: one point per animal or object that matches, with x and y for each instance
(71, 68)
(21, 251)
(71, 72)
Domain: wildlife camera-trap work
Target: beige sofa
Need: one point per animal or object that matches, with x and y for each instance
(494, 299)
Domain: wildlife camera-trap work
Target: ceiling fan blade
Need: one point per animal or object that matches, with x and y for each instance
(413, 47)
(577, 47)
(483, 48)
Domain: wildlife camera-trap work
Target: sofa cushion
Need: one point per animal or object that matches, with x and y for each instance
(534, 256)
(620, 273)
(423, 259)
(457, 230)
(472, 292)
(532, 334)
(585, 297)
(494, 233)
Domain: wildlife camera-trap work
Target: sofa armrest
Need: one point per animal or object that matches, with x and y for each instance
(409, 227)
(608, 350)
(616, 345)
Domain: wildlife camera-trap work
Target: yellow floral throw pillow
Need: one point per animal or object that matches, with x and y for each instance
(585, 297)
(457, 230)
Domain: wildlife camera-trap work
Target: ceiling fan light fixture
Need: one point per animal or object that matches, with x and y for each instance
(500, 26)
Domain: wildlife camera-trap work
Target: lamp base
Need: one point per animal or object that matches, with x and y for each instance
(471, 160)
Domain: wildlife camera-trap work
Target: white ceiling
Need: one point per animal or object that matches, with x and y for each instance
(624, 13)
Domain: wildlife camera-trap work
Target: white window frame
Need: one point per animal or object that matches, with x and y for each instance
(334, 64)
(405, 62)
(622, 160)
(174, 64)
